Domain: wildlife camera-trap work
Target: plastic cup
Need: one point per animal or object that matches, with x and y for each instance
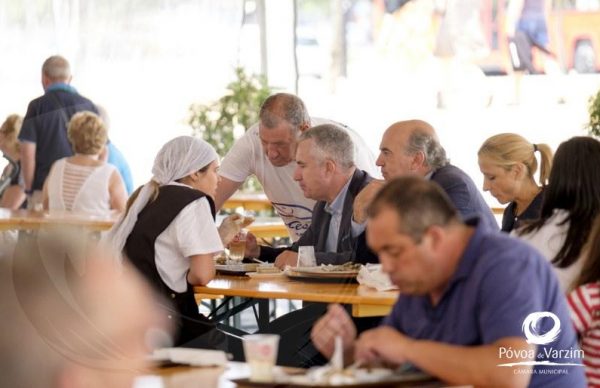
(306, 256)
(260, 351)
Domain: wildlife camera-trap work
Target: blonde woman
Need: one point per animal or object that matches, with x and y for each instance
(508, 164)
(83, 182)
(14, 195)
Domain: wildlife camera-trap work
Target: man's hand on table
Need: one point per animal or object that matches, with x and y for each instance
(336, 322)
(286, 258)
(382, 344)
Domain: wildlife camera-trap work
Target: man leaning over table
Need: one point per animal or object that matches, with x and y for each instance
(465, 293)
(267, 150)
(325, 172)
(412, 148)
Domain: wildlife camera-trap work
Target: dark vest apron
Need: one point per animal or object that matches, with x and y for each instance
(139, 249)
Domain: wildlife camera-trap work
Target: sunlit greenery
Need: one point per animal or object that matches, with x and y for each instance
(594, 110)
(217, 121)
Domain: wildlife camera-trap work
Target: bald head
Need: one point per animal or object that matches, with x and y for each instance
(56, 69)
(412, 126)
(410, 147)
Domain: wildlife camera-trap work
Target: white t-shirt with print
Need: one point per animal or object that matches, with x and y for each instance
(192, 232)
(246, 158)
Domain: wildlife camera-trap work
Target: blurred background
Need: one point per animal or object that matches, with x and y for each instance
(162, 67)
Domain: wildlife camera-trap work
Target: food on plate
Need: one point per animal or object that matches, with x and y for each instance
(327, 375)
(267, 268)
(220, 258)
(349, 266)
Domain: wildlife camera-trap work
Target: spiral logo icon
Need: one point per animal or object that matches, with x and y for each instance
(531, 328)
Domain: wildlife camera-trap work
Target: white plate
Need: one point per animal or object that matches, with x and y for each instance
(260, 275)
(188, 356)
(236, 268)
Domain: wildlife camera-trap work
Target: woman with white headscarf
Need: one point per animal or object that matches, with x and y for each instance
(168, 232)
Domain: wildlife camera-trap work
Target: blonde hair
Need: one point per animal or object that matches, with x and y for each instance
(87, 133)
(507, 149)
(10, 129)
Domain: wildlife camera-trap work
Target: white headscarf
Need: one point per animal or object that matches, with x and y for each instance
(177, 159)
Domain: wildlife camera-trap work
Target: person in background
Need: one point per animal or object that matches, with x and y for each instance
(43, 136)
(13, 195)
(325, 172)
(267, 150)
(114, 156)
(82, 182)
(65, 328)
(465, 293)
(570, 206)
(168, 233)
(526, 28)
(413, 148)
(584, 303)
(508, 164)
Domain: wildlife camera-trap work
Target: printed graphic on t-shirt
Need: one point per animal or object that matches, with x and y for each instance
(296, 218)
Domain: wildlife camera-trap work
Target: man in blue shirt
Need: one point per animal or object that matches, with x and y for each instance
(467, 297)
(412, 147)
(43, 135)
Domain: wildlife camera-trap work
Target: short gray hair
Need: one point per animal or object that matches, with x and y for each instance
(420, 141)
(286, 107)
(56, 68)
(332, 142)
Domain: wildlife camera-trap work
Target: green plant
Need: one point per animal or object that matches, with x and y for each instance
(216, 122)
(593, 125)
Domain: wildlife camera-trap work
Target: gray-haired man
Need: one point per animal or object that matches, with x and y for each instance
(325, 172)
(267, 151)
(412, 148)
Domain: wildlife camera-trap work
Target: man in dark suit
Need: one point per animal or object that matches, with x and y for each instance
(326, 172)
(412, 148)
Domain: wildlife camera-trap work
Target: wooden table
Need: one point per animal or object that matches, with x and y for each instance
(220, 377)
(32, 220)
(497, 210)
(268, 228)
(265, 227)
(185, 376)
(365, 301)
(205, 377)
(256, 202)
